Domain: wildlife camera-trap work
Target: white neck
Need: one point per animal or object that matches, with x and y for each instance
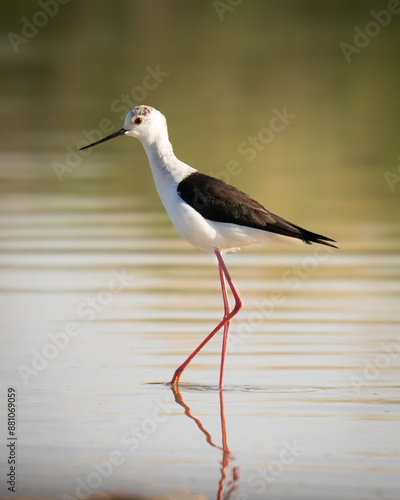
(163, 162)
(159, 149)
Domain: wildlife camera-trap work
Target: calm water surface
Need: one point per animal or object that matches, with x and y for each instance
(100, 306)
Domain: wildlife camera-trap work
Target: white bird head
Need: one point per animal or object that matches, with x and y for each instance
(144, 123)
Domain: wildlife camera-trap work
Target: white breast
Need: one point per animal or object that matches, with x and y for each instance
(204, 234)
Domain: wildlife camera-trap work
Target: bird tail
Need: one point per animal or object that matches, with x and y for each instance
(309, 237)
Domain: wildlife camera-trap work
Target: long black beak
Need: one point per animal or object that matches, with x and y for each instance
(111, 136)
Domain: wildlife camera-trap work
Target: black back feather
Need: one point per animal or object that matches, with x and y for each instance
(220, 202)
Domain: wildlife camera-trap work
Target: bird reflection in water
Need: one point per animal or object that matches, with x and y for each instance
(226, 452)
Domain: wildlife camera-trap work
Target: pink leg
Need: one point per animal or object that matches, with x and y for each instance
(225, 321)
(226, 327)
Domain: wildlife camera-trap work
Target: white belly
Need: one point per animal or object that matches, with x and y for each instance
(208, 235)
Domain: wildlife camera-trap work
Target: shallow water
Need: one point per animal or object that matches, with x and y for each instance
(312, 376)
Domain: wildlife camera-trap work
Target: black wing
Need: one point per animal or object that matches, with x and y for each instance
(217, 201)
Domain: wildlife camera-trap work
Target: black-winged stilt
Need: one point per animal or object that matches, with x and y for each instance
(210, 214)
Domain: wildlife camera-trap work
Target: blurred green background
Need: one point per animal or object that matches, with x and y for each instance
(223, 67)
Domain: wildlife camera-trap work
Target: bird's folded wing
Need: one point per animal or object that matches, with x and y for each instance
(220, 202)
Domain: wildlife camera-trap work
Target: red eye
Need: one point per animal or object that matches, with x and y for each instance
(138, 121)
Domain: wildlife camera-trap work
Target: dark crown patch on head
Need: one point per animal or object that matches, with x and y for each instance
(143, 110)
